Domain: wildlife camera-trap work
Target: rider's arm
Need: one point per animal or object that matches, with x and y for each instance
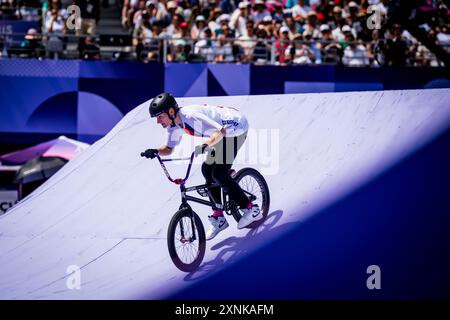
(165, 150)
(216, 136)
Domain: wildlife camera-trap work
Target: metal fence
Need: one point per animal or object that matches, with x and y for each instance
(222, 50)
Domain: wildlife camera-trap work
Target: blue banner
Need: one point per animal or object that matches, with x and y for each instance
(9, 27)
(54, 97)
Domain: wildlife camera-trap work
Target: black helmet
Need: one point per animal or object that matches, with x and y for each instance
(162, 103)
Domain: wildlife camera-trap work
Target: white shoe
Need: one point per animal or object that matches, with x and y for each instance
(249, 216)
(217, 224)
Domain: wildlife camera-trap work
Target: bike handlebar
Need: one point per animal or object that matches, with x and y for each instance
(179, 180)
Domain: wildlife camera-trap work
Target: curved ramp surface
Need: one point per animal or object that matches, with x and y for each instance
(107, 211)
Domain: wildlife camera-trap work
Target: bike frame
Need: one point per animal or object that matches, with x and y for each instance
(182, 181)
(225, 205)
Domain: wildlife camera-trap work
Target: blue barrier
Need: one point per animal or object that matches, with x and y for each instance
(54, 97)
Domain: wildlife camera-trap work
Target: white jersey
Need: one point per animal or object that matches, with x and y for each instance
(201, 120)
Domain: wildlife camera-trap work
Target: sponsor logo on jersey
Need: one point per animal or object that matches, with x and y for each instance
(233, 122)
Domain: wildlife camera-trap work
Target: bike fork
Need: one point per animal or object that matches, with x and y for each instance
(184, 204)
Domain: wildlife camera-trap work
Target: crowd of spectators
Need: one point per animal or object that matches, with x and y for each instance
(271, 31)
(54, 24)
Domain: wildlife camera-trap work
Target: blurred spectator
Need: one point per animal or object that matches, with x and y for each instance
(223, 24)
(376, 51)
(330, 50)
(148, 14)
(30, 47)
(259, 11)
(314, 46)
(311, 25)
(281, 44)
(423, 56)
(352, 14)
(90, 14)
(162, 13)
(56, 28)
(178, 51)
(247, 42)
(240, 17)
(190, 10)
(226, 6)
(396, 47)
(380, 5)
(137, 14)
(338, 20)
(55, 5)
(299, 53)
(300, 11)
(267, 24)
(174, 29)
(198, 27)
(325, 11)
(213, 21)
(187, 55)
(55, 22)
(325, 34)
(172, 8)
(442, 15)
(156, 45)
(89, 49)
(7, 11)
(355, 54)
(179, 41)
(204, 48)
(337, 32)
(128, 8)
(142, 39)
(131, 6)
(223, 49)
(293, 26)
(443, 37)
(364, 33)
(290, 3)
(276, 26)
(261, 53)
(278, 14)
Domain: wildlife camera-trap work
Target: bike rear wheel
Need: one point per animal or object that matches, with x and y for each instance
(186, 240)
(256, 188)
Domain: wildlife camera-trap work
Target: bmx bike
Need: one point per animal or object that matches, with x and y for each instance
(186, 234)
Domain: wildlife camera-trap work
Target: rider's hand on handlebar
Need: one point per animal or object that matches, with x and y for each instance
(149, 153)
(200, 149)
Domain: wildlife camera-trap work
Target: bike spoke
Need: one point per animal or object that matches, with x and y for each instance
(252, 186)
(186, 251)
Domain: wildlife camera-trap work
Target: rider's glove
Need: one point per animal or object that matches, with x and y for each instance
(149, 153)
(200, 149)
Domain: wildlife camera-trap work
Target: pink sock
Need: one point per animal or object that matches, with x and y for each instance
(250, 205)
(217, 213)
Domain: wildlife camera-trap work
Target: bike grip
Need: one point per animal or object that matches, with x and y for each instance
(142, 154)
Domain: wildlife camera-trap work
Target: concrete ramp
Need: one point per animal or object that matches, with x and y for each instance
(107, 211)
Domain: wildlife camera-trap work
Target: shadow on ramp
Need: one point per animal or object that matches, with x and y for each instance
(234, 248)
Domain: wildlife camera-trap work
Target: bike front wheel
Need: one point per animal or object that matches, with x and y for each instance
(255, 187)
(186, 240)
